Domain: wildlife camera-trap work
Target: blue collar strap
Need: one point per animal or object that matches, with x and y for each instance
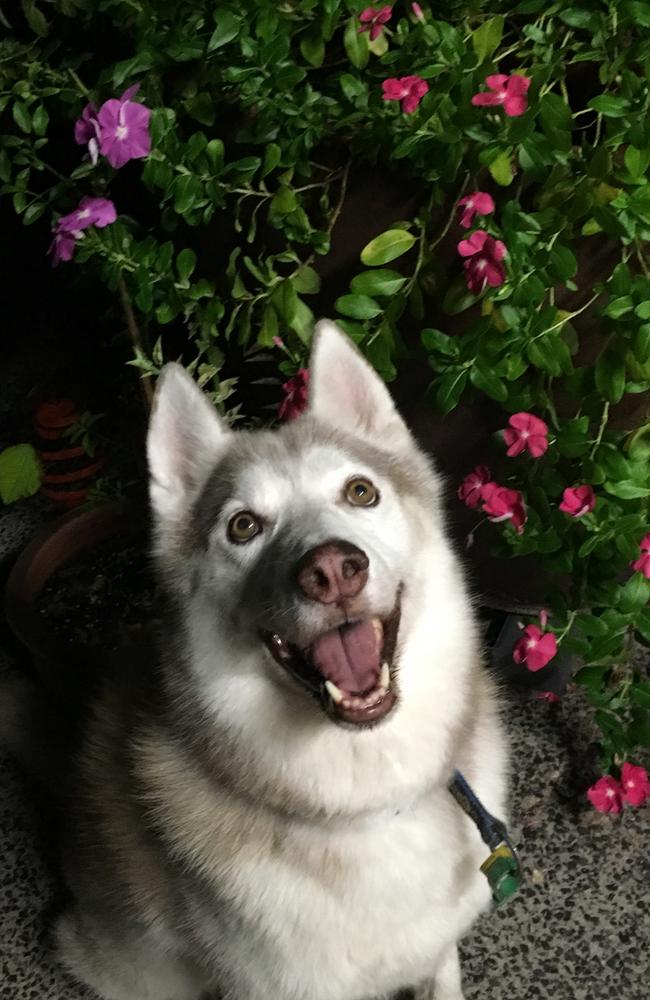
(502, 868)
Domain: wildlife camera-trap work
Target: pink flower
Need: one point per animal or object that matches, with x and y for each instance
(483, 266)
(635, 784)
(509, 91)
(642, 564)
(418, 13)
(478, 203)
(548, 696)
(535, 649)
(373, 20)
(408, 89)
(87, 131)
(295, 396)
(502, 504)
(605, 795)
(62, 247)
(124, 126)
(578, 500)
(470, 490)
(98, 212)
(526, 433)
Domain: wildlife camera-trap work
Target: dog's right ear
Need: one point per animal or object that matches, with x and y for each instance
(186, 437)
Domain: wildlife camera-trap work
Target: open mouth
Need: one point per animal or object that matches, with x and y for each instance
(349, 668)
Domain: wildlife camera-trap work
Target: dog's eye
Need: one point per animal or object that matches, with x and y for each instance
(361, 493)
(243, 526)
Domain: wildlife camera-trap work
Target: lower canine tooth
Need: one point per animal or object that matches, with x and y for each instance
(335, 693)
(384, 677)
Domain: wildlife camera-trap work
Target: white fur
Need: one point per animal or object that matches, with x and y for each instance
(406, 882)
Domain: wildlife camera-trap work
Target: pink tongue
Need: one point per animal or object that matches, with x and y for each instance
(349, 657)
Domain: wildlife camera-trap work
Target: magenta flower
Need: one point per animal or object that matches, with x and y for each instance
(470, 490)
(418, 13)
(642, 564)
(526, 433)
(373, 20)
(508, 91)
(548, 696)
(87, 131)
(535, 649)
(62, 247)
(605, 795)
(578, 500)
(478, 203)
(295, 396)
(124, 126)
(97, 212)
(502, 504)
(408, 89)
(483, 266)
(635, 785)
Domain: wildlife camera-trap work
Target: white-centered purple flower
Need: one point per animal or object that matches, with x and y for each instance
(87, 131)
(97, 212)
(124, 129)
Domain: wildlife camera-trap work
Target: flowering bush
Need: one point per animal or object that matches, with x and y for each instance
(522, 131)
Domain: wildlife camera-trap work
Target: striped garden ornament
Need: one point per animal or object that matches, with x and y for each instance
(68, 470)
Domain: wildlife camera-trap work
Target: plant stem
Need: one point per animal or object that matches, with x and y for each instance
(601, 430)
(563, 633)
(136, 337)
(82, 87)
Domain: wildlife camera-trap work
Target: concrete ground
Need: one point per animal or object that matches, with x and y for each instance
(578, 930)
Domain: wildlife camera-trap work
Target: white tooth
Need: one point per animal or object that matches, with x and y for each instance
(384, 677)
(335, 693)
(379, 629)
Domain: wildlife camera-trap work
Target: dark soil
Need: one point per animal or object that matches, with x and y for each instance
(100, 598)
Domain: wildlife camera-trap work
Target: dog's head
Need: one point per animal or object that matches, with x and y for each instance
(300, 557)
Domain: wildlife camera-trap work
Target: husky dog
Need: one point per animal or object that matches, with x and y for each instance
(264, 811)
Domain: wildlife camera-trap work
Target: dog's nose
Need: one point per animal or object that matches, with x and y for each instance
(334, 571)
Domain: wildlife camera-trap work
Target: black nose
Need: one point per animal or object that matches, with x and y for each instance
(332, 572)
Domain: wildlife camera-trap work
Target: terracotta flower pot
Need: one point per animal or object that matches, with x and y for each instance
(67, 468)
(59, 663)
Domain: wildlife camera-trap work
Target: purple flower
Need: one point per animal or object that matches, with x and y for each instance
(87, 131)
(124, 127)
(98, 212)
(62, 247)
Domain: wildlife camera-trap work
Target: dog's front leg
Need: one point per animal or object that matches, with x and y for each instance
(446, 984)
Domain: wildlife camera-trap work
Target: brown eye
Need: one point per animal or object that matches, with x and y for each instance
(361, 493)
(243, 526)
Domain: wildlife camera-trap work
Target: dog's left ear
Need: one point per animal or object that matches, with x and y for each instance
(345, 391)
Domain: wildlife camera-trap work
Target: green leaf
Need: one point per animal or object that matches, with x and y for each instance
(386, 247)
(635, 594)
(215, 151)
(450, 388)
(637, 160)
(33, 213)
(436, 340)
(457, 298)
(35, 19)
(643, 310)
(619, 307)
(21, 117)
(185, 264)
(356, 45)
(555, 113)
(227, 29)
(312, 48)
(283, 202)
(487, 382)
(358, 306)
(286, 301)
(40, 120)
(610, 375)
(186, 191)
(609, 105)
(642, 344)
(269, 327)
(501, 168)
(638, 445)
(487, 38)
(272, 157)
(563, 262)
(627, 490)
(307, 281)
(639, 13)
(380, 282)
(20, 473)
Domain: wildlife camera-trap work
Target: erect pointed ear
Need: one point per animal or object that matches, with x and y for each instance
(346, 393)
(186, 437)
